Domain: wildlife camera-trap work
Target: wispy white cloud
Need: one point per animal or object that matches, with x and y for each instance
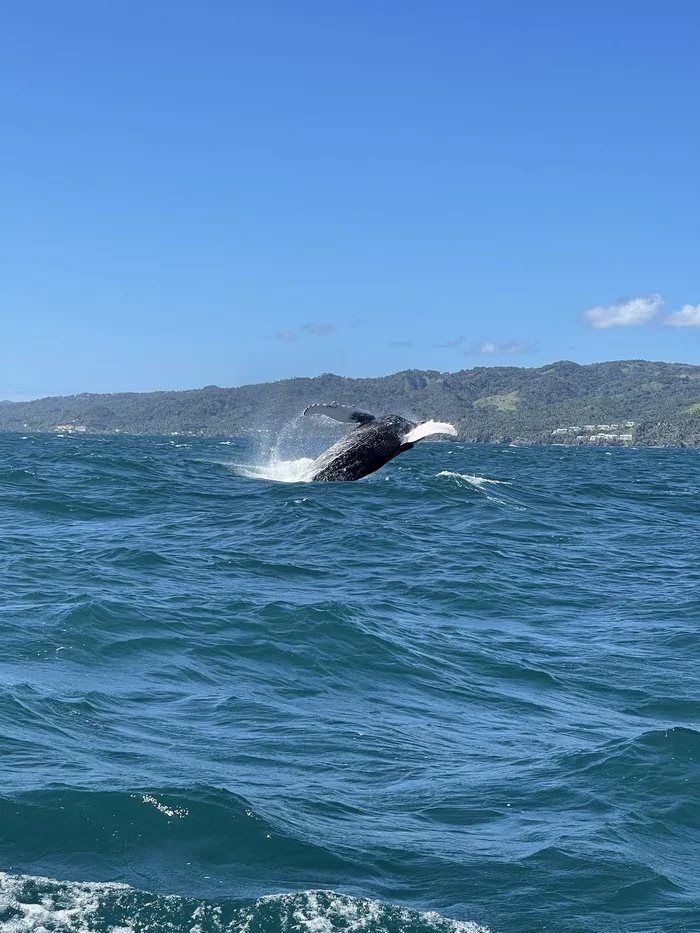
(318, 328)
(452, 344)
(400, 343)
(487, 347)
(626, 312)
(688, 316)
(508, 347)
(315, 328)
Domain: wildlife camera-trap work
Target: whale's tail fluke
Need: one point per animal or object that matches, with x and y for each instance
(344, 413)
(427, 429)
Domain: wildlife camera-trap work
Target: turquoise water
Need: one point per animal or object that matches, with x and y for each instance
(463, 691)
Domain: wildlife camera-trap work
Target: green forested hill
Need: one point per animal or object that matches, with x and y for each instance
(499, 403)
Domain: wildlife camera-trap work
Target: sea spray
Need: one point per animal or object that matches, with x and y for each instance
(285, 454)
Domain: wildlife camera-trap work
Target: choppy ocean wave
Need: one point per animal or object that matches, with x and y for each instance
(43, 905)
(462, 691)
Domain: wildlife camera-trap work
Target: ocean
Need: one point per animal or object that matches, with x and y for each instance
(462, 694)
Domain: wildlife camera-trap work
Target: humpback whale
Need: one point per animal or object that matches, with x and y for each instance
(373, 442)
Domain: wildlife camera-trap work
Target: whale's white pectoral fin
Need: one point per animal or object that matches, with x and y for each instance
(343, 413)
(428, 428)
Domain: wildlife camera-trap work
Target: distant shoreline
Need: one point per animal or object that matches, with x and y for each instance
(621, 403)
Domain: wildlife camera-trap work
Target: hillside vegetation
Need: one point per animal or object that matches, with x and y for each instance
(499, 403)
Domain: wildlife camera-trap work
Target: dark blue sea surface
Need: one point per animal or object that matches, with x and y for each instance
(464, 691)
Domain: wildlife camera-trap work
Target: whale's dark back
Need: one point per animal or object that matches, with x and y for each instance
(363, 450)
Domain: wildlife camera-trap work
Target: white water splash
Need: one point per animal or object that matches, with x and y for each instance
(283, 460)
(276, 471)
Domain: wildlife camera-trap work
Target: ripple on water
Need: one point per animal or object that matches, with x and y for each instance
(467, 685)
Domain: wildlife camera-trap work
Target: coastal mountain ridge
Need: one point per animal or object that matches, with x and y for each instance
(625, 401)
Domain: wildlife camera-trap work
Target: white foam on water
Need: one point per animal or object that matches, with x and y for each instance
(44, 905)
(328, 912)
(479, 482)
(179, 812)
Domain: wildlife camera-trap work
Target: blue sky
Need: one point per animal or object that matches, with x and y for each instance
(233, 192)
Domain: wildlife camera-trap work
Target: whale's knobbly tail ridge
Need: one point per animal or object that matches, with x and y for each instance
(427, 429)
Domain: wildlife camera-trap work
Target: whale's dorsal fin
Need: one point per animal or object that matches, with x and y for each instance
(427, 429)
(343, 413)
